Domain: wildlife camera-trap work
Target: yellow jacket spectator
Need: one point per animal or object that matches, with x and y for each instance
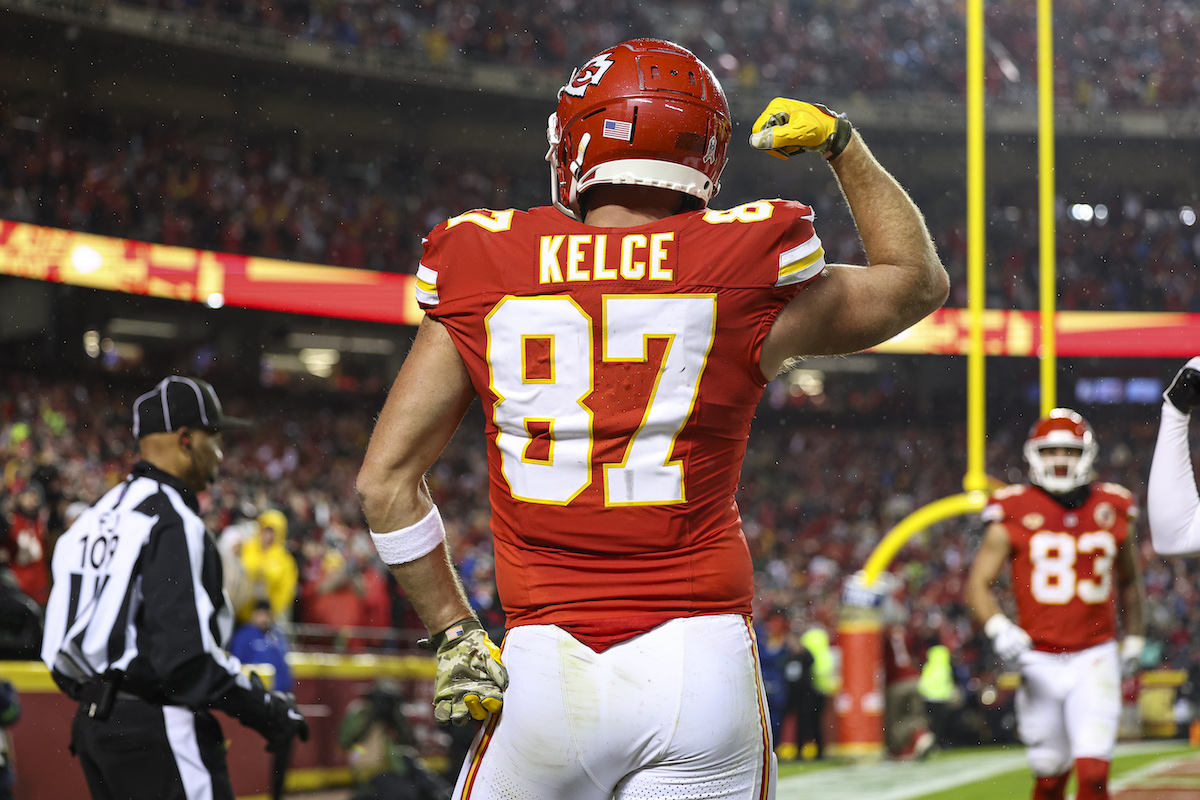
(937, 676)
(270, 568)
(825, 677)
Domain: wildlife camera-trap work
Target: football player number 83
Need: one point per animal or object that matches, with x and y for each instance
(539, 352)
(1053, 556)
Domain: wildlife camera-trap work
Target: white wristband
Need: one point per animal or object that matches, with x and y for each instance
(409, 544)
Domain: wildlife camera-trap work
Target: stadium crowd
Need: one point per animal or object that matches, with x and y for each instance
(819, 490)
(216, 190)
(1106, 55)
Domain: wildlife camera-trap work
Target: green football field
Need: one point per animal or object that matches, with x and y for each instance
(982, 773)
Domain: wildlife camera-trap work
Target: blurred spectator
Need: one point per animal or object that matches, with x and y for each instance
(331, 595)
(260, 641)
(24, 548)
(905, 722)
(772, 638)
(937, 687)
(817, 680)
(270, 568)
(20, 621)
(237, 584)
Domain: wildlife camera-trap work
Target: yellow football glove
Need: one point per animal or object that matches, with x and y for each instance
(788, 127)
(470, 679)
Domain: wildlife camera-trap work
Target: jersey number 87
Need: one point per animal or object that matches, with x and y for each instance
(551, 405)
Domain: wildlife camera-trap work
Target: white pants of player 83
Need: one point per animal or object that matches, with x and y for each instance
(1069, 706)
(676, 712)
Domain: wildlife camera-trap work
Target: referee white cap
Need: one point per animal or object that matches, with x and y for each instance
(179, 402)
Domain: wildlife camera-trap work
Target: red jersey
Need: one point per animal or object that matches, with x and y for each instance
(1062, 562)
(618, 369)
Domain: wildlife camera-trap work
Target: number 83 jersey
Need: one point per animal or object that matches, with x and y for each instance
(1062, 562)
(618, 369)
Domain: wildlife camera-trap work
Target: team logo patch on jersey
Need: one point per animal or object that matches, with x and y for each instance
(1033, 521)
(617, 129)
(1105, 515)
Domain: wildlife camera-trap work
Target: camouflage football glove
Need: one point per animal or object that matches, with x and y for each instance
(470, 678)
(788, 127)
(1184, 391)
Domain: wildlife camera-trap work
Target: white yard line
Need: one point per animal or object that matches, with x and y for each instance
(897, 780)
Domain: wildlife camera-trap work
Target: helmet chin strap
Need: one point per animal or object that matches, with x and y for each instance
(575, 169)
(577, 164)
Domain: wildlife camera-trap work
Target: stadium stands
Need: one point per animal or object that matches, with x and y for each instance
(1109, 56)
(214, 190)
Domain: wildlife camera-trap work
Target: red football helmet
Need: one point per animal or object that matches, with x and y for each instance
(644, 112)
(1061, 473)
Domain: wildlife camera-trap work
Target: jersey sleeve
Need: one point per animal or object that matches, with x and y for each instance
(1123, 499)
(451, 248)
(802, 256)
(1000, 505)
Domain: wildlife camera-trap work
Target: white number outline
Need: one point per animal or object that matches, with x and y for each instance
(494, 221)
(758, 211)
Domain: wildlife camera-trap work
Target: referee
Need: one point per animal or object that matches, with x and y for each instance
(137, 621)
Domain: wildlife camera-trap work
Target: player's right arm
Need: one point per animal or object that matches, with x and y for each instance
(1008, 639)
(423, 409)
(993, 553)
(850, 308)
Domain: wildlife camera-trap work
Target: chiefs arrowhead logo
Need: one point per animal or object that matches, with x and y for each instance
(588, 75)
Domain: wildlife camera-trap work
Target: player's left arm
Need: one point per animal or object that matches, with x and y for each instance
(850, 308)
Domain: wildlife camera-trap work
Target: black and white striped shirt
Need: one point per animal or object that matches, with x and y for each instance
(138, 589)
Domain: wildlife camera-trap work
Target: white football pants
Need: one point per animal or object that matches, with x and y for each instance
(1069, 706)
(678, 712)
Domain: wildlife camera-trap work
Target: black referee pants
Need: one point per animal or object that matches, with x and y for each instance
(152, 752)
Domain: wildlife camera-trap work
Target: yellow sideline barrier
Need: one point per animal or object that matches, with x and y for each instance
(369, 667)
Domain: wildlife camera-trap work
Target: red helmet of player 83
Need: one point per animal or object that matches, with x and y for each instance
(1061, 451)
(645, 112)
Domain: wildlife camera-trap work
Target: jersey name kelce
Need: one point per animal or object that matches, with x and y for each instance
(618, 369)
(1062, 562)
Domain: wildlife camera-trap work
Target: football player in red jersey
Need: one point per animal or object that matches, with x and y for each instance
(1070, 545)
(620, 340)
